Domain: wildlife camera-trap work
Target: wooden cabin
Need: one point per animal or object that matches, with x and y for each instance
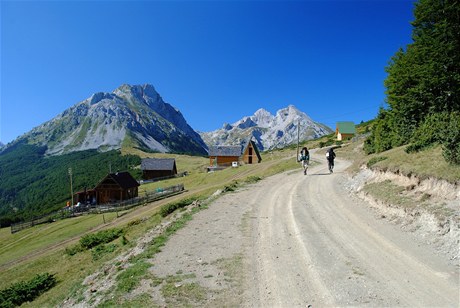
(116, 187)
(251, 153)
(224, 155)
(345, 130)
(155, 168)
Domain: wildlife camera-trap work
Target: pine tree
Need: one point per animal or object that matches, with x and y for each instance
(424, 78)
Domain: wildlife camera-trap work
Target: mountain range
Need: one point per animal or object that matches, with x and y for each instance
(136, 116)
(269, 131)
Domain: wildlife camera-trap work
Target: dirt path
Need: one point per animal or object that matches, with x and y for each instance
(313, 244)
(302, 240)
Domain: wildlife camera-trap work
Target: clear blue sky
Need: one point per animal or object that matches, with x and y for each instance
(215, 61)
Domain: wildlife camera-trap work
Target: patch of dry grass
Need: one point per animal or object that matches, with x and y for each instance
(425, 164)
(391, 193)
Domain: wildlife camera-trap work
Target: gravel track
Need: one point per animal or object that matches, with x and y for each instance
(313, 244)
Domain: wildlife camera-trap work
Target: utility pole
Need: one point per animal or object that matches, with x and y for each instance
(71, 188)
(298, 134)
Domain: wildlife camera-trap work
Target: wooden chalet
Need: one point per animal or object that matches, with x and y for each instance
(224, 156)
(155, 168)
(116, 187)
(345, 130)
(251, 153)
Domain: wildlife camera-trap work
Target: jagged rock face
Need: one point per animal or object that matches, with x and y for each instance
(134, 116)
(267, 130)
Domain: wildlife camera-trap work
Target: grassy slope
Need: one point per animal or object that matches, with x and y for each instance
(425, 164)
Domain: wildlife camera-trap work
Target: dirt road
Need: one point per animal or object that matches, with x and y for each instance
(293, 240)
(313, 244)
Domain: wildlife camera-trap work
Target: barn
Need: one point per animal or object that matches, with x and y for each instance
(156, 168)
(116, 187)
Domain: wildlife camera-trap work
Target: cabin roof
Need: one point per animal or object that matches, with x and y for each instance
(346, 127)
(225, 150)
(158, 164)
(123, 179)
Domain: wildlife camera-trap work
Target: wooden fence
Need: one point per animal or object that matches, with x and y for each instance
(100, 208)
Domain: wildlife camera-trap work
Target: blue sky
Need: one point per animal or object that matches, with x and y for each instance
(216, 61)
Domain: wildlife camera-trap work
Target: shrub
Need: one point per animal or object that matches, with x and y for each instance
(102, 237)
(26, 291)
(134, 222)
(73, 250)
(431, 131)
(171, 207)
(451, 140)
(253, 179)
(231, 187)
(439, 128)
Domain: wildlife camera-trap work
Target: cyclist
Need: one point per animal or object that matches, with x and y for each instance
(330, 155)
(304, 158)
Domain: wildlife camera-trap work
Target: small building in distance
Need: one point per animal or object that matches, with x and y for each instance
(224, 155)
(156, 168)
(251, 153)
(345, 130)
(116, 187)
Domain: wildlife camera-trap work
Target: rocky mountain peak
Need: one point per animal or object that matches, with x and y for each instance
(262, 117)
(131, 114)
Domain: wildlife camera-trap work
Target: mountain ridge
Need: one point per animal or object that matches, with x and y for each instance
(269, 131)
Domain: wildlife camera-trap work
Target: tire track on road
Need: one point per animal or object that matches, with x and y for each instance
(320, 246)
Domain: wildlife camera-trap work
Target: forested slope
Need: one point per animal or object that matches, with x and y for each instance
(32, 184)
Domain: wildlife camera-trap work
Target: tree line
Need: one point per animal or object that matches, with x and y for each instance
(423, 86)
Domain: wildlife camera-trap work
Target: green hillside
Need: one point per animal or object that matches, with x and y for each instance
(33, 184)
